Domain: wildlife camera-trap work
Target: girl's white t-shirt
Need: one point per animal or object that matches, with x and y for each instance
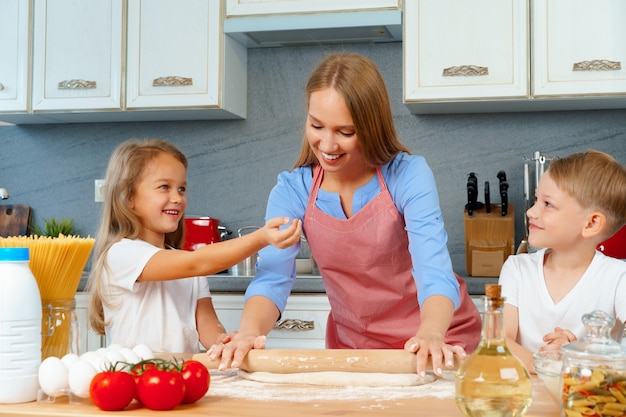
(602, 287)
(159, 314)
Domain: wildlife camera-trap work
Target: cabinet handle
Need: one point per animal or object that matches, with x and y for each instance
(465, 71)
(76, 84)
(597, 65)
(172, 81)
(294, 325)
(1, 86)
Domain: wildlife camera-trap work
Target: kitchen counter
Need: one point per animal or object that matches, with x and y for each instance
(220, 405)
(304, 283)
(313, 283)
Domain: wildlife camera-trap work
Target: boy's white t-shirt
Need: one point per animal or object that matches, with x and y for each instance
(602, 287)
(159, 314)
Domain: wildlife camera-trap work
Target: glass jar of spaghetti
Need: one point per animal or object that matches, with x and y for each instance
(59, 328)
(594, 371)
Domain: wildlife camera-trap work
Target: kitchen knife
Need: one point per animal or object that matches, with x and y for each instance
(472, 193)
(487, 198)
(504, 192)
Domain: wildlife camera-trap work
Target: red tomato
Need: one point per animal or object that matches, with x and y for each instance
(160, 389)
(197, 380)
(136, 372)
(112, 390)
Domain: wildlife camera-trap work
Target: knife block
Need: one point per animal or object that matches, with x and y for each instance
(489, 240)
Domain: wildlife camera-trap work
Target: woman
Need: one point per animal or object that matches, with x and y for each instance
(372, 219)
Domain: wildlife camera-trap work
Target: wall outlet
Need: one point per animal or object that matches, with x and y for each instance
(99, 191)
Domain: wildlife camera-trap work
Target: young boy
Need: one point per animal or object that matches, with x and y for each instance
(580, 202)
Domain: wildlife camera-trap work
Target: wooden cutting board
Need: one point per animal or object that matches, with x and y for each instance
(284, 361)
(14, 220)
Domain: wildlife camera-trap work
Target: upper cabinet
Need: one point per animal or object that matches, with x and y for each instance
(179, 58)
(77, 55)
(122, 60)
(476, 55)
(465, 50)
(259, 23)
(14, 48)
(579, 47)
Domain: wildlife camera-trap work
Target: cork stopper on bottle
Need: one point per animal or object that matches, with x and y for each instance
(493, 290)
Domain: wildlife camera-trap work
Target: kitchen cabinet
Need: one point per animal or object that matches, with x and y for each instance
(15, 64)
(578, 47)
(456, 52)
(126, 60)
(302, 325)
(259, 23)
(263, 7)
(88, 340)
(459, 58)
(77, 55)
(179, 59)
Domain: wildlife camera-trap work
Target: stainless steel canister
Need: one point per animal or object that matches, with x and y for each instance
(246, 267)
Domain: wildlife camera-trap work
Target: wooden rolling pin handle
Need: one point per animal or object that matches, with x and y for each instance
(284, 361)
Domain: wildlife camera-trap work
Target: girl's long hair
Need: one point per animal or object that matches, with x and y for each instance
(118, 219)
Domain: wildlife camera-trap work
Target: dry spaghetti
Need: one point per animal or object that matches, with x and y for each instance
(57, 264)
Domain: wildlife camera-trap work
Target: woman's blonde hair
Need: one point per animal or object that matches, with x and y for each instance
(597, 181)
(359, 82)
(118, 219)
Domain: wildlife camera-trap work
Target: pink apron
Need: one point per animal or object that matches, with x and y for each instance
(366, 269)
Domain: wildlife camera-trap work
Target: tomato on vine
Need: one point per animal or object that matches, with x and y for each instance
(197, 380)
(160, 389)
(112, 390)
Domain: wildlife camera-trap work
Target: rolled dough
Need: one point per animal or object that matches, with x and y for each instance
(342, 379)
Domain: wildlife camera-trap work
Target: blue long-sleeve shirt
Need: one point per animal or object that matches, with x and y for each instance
(411, 184)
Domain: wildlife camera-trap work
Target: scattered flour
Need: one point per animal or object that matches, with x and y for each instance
(230, 384)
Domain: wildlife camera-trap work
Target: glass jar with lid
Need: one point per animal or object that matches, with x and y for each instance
(594, 370)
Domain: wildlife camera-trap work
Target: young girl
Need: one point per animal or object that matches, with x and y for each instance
(142, 289)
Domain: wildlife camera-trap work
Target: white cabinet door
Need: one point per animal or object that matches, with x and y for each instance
(263, 7)
(77, 55)
(178, 58)
(14, 55)
(465, 50)
(302, 325)
(579, 47)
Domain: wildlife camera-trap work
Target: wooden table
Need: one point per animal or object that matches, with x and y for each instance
(222, 406)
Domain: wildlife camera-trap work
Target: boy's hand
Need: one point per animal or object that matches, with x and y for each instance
(282, 238)
(557, 338)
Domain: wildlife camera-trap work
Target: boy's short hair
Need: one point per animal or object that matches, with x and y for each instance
(597, 181)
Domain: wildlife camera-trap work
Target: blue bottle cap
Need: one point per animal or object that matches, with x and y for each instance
(14, 254)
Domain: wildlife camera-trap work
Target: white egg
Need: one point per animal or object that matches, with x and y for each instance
(114, 346)
(80, 376)
(102, 351)
(69, 360)
(94, 358)
(53, 376)
(143, 352)
(130, 355)
(114, 360)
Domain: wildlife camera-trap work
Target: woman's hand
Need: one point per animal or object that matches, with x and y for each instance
(233, 348)
(282, 238)
(557, 338)
(433, 346)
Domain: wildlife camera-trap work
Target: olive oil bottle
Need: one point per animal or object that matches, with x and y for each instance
(492, 382)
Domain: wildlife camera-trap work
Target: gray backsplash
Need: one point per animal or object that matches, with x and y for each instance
(233, 164)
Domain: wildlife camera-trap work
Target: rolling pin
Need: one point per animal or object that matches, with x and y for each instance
(285, 361)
